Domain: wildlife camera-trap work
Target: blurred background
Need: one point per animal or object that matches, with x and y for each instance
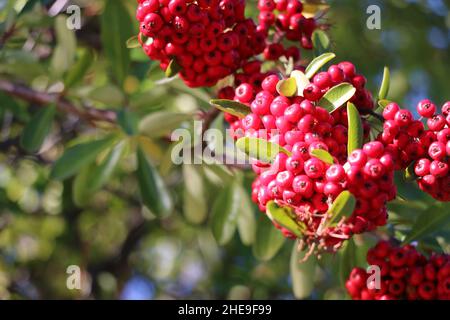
(124, 251)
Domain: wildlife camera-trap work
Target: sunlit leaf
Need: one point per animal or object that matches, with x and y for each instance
(287, 87)
(337, 96)
(232, 107)
(260, 149)
(285, 218)
(301, 81)
(343, 206)
(384, 88)
(318, 63)
(355, 129)
(172, 69)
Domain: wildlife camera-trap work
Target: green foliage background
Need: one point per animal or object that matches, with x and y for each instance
(95, 218)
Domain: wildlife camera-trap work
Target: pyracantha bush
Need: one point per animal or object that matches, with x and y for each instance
(404, 274)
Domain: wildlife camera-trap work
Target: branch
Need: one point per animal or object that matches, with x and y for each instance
(25, 93)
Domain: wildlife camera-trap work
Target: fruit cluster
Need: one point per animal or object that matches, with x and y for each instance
(404, 274)
(409, 142)
(209, 39)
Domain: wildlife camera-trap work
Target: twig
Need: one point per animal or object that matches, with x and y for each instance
(88, 114)
(376, 115)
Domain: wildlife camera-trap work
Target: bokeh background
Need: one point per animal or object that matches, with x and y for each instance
(123, 249)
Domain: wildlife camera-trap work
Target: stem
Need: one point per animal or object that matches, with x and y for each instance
(376, 115)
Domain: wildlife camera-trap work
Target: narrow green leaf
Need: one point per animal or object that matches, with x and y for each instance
(116, 29)
(77, 72)
(383, 103)
(287, 87)
(172, 69)
(232, 107)
(337, 96)
(385, 83)
(343, 206)
(79, 156)
(195, 208)
(355, 129)
(301, 81)
(347, 260)
(65, 50)
(302, 273)
(154, 193)
(410, 175)
(93, 177)
(37, 129)
(224, 214)
(318, 63)
(246, 219)
(161, 123)
(268, 240)
(133, 42)
(321, 42)
(285, 218)
(260, 149)
(128, 121)
(322, 155)
(435, 218)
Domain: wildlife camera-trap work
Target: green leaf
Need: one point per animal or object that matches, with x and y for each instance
(77, 72)
(246, 219)
(384, 88)
(172, 69)
(93, 177)
(322, 155)
(116, 29)
(128, 121)
(268, 240)
(65, 50)
(347, 260)
(224, 214)
(37, 129)
(195, 208)
(321, 42)
(287, 87)
(301, 81)
(232, 107)
(410, 175)
(133, 42)
(285, 218)
(435, 218)
(302, 273)
(154, 193)
(318, 63)
(355, 129)
(260, 149)
(161, 123)
(343, 206)
(383, 103)
(337, 96)
(79, 156)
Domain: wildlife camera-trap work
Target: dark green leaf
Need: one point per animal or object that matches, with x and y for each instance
(337, 96)
(79, 156)
(384, 88)
(322, 155)
(116, 29)
(321, 42)
(92, 177)
(154, 193)
(342, 206)
(302, 273)
(246, 219)
(318, 63)
(435, 218)
(224, 214)
(260, 149)
(37, 129)
(172, 69)
(77, 72)
(128, 121)
(285, 218)
(355, 129)
(268, 241)
(347, 260)
(287, 87)
(195, 208)
(232, 107)
(161, 123)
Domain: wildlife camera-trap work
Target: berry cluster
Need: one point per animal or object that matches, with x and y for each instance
(286, 20)
(209, 39)
(432, 169)
(405, 274)
(408, 141)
